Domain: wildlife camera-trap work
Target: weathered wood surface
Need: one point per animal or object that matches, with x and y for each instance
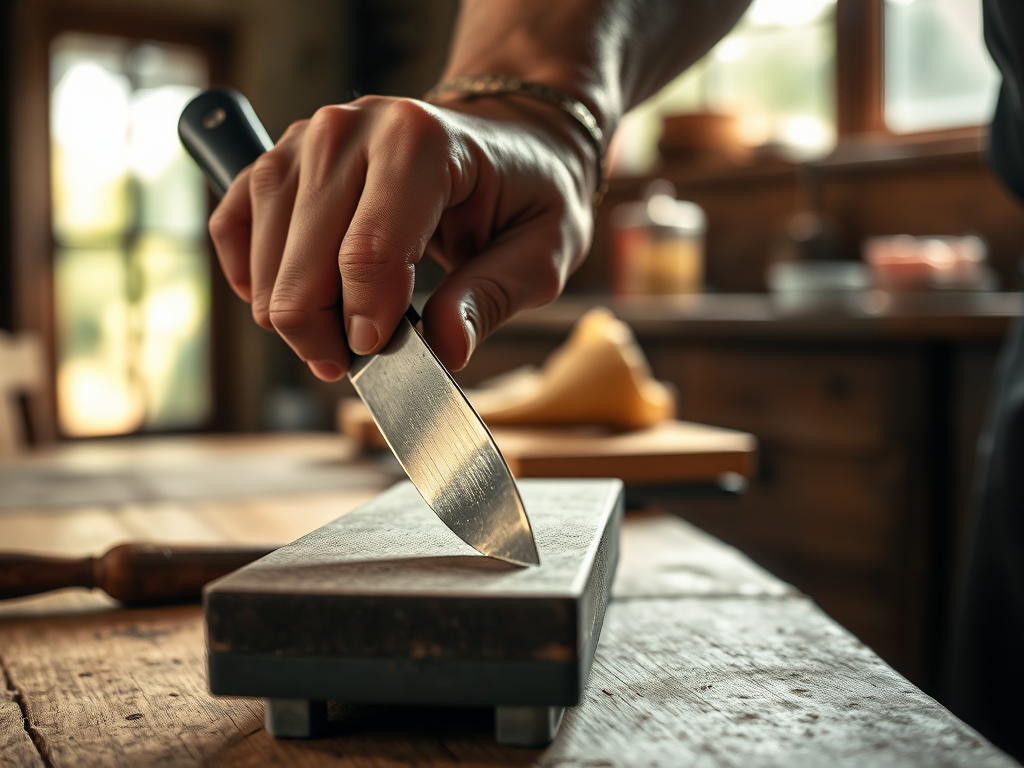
(663, 556)
(705, 660)
(752, 682)
(725, 681)
(187, 469)
(16, 747)
(93, 530)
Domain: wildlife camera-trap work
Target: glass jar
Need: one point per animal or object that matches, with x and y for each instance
(658, 245)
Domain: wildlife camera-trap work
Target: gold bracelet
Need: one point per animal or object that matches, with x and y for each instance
(471, 87)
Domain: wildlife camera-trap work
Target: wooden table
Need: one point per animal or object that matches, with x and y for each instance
(705, 659)
(867, 420)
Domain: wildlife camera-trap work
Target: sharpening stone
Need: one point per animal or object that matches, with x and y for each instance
(386, 605)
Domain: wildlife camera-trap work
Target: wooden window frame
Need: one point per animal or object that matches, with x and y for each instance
(860, 86)
(32, 245)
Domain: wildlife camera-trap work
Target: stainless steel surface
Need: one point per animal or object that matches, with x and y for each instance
(444, 447)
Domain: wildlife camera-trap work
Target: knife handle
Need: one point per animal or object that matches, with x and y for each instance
(132, 573)
(221, 132)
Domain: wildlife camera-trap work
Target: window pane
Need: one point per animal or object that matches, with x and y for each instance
(937, 71)
(174, 333)
(98, 388)
(88, 126)
(775, 71)
(129, 211)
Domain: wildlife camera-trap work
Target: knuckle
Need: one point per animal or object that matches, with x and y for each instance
(288, 317)
(369, 257)
(328, 132)
(270, 172)
(261, 316)
(415, 126)
(491, 307)
(219, 227)
(293, 131)
(328, 122)
(548, 283)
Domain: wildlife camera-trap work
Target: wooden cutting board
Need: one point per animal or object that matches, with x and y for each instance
(670, 452)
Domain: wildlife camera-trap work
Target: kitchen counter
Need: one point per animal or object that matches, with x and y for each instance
(870, 315)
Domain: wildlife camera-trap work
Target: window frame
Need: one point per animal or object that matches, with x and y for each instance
(41, 21)
(860, 81)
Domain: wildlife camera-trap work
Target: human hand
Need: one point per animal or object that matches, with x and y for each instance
(345, 205)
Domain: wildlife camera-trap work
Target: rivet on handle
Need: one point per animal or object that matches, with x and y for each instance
(214, 118)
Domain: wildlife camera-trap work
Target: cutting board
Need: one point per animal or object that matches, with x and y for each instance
(671, 452)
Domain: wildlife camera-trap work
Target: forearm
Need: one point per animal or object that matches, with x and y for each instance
(609, 54)
(499, 191)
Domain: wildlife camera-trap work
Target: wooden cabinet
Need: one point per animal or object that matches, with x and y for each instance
(867, 428)
(839, 505)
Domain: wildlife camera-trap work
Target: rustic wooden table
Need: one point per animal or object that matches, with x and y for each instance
(704, 660)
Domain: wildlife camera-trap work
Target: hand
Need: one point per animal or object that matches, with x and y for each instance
(345, 205)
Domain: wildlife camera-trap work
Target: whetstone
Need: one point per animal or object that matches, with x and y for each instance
(386, 605)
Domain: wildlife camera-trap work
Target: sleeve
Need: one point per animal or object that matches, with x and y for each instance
(1004, 22)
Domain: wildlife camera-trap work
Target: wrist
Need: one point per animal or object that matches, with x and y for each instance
(560, 113)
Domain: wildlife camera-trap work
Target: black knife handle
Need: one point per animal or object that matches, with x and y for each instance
(223, 135)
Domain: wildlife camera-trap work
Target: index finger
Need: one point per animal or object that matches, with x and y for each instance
(408, 185)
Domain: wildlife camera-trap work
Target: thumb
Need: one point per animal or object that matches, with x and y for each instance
(526, 270)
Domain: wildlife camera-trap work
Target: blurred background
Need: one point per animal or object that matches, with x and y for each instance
(837, 281)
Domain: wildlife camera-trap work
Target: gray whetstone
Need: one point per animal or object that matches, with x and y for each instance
(387, 605)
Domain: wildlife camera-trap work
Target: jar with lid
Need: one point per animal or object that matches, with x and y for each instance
(658, 244)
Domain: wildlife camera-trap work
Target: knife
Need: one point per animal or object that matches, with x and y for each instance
(435, 434)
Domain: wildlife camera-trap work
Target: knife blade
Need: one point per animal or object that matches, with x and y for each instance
(434, 432)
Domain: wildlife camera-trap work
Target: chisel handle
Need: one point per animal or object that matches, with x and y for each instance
(137, 574)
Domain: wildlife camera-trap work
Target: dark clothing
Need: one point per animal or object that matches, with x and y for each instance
(1004, 35)
(984, 680)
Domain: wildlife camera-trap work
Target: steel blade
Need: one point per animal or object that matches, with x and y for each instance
(444, 446)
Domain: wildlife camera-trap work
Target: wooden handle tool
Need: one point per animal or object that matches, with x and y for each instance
(137, 574)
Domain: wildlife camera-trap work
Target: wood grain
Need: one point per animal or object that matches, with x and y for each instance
(743, 683)
(128, 471)
(723, 681)
(705, 659)
(664, 556)
(16, 747)
(122, 688)
(670, 452)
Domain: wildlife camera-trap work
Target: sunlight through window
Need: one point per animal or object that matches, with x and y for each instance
(775, 72)
(129, 209)
(937, 71)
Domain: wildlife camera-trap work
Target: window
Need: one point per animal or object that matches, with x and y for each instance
(938, 73)
(129, 209)
(775, 71)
